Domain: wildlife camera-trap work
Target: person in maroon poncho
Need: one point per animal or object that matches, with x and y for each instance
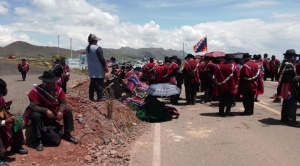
(274, 66)
(149, 70)
(266, 64)
(191, 78)
(206, 78)
(23, 68)
(47, 105)
(8, 136)
(250, 83)
(226, 77)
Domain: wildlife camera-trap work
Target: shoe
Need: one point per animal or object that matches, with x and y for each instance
(278, 100)
(188, 103)
(284, 120)
(233, 105)
(2, 163)
(19, 150)
(229, 114)
(40, 146)
(293, 124)
(246, 113)
(203, 102)
(69, 138)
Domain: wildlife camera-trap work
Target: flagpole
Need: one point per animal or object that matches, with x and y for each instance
(206, 44)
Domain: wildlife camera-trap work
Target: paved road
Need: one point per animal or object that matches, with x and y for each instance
(18, 89)
(200, 137)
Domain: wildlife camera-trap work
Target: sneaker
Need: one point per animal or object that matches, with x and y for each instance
(40, 146)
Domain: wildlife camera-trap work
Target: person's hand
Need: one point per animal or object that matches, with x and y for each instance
(59, 116)
(106, 69)
(10, 120)
(8, 103)
(50, 114)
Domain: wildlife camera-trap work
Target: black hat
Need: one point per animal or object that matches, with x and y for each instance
(3, 89)
(48, 76)
(228, 56)
(188, 56)
(290, 52)
(246, 56)
(151, 60)
(93, 37)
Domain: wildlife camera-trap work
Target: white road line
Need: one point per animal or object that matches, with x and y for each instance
(264, 103)
(156, 145)
(268, 108)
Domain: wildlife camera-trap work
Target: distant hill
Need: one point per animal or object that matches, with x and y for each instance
(23, 49)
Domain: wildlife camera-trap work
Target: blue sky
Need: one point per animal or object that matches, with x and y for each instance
(254, 26)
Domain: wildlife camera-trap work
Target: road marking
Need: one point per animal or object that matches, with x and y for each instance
(268, 108)
(264, 103)
(156, 145)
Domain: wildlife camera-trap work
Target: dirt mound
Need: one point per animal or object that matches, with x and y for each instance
(102, 140)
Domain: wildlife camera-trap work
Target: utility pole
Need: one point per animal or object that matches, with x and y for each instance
(183, 50)
(71, 46)
(58, 44)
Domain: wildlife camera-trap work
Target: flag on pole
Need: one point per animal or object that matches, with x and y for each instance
(201, 46)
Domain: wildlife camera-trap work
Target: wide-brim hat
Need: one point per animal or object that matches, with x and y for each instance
(93, 37)
(3, 89)
(188, 56)
(290, 53)
(23, 59)
(228, 56)
(48, 76)
(246, 56)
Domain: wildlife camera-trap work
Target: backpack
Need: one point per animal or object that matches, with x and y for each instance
(20, 68)
(52, 134)
(191, 73)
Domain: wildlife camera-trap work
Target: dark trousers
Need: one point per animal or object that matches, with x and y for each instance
(225, 100)
(39, 120)
(23, 75)
(273, 76)
(248, 101)
(288, 110)
(17, 140)
(190, 92)
(266, 75)
(208, 94)
(64, 86)
(96, 84)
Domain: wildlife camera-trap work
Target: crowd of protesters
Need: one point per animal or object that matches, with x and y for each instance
(226, 79)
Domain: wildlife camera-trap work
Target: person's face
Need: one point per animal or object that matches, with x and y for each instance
(50, 86)
(273, 58)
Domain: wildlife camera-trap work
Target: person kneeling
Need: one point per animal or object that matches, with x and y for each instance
(47, 104)
(10, 134)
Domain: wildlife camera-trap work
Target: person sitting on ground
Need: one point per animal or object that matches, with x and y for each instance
(48, 103)
(9, 137)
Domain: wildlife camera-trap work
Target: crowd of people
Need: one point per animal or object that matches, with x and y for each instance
(226, 79)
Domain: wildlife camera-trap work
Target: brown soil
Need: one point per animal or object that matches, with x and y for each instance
(102, 140)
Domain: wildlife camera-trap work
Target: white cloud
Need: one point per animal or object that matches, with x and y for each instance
(78, 19)
(3, 7)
